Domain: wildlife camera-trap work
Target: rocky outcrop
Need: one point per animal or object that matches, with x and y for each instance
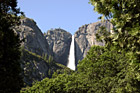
(34, 67)
(85, 37)
(59, 42)
(56, 42)
(34, 39)
(32, 63)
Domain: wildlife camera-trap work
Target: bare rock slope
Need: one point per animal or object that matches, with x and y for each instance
(34, 39)
(33, 47)
(85, 37)
(59, 42)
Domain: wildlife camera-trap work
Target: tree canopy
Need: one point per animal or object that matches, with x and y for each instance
(125, 16)
(113, 68)
(10, 71)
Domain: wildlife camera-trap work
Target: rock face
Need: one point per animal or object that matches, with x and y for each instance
(34, 67)
(56, 42)
(34, 39)
(85, 38)
(59, 42)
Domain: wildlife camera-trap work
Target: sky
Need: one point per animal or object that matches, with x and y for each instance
(66, 14)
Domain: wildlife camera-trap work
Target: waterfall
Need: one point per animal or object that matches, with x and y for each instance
(71, 59)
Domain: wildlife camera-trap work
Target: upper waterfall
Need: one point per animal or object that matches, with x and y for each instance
(71, 59)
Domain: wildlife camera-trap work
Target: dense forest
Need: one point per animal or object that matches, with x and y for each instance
(113, 68)
(10, 77)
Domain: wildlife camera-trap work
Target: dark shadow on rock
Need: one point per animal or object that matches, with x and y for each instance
(78, 54)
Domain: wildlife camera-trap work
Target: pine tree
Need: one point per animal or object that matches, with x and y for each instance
(10, 71)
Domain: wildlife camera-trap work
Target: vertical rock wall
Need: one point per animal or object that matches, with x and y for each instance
(85, 38)
(59, 42)
(34, 39)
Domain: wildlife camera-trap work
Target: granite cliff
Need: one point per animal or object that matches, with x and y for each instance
(85, 37)
(36, 60)
(59, 42)
(37, 48)
(34, 38)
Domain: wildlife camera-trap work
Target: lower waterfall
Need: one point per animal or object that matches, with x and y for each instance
(71, 58)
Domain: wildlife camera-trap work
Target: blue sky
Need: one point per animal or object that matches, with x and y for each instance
(66, 14)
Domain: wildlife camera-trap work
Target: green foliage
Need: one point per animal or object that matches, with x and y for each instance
(125, 16)
(110, 71)
(92, 55)
(22, 16)
(45, 56)
(28, 55)
(102, 71)
(114, 68)
(63, 83)
(29, 59)
(50, 60)
(104, 36)
(10, 71)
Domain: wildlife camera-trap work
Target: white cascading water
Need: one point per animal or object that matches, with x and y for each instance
(71, 60)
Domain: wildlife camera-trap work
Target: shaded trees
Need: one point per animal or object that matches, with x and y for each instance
(10, 78)
(125, 16)
(110, 71)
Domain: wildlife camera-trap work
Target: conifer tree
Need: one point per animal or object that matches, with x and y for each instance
(10, 71)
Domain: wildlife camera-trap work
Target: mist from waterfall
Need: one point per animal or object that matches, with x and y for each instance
(71, 59)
